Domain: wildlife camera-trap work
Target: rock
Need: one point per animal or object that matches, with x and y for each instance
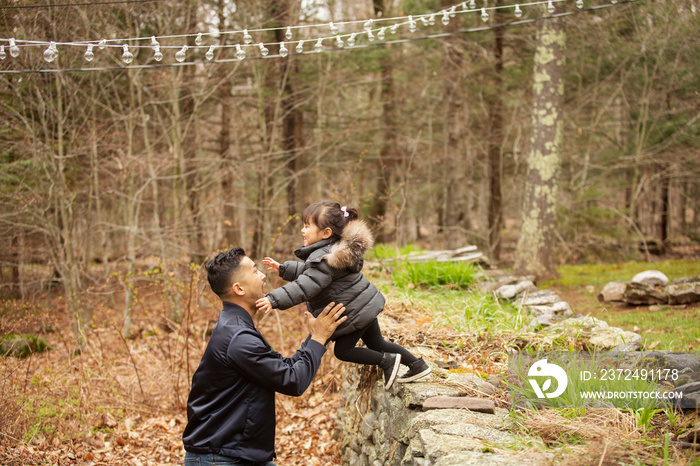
(559, 308)
(683, 293)
(511, 291)
(651, 278)
(669, 360)
(639, 293)
(583, 325)
(471, 380)
(613, 292)
(692, 435)
(690, 398)
(544, 320)
(613, 338)
(21, 346)
(480, 405)
(539, 298)
(414, 394)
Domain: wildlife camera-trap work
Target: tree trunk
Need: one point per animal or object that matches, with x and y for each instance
(388, 155)
(453, 212)
(664, 218)
(495, 141)
(537, 233)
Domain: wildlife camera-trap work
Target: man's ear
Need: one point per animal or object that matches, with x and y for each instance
(327, 233)
(237, 289)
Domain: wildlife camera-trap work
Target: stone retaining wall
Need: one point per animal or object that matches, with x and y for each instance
(381, 428)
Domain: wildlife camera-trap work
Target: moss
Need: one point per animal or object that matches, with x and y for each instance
(21, 346)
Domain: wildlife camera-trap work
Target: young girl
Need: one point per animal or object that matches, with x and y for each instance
(334, 243)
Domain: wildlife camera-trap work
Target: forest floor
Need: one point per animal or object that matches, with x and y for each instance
(123, 401)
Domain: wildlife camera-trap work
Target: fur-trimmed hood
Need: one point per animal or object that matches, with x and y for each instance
(355, 241)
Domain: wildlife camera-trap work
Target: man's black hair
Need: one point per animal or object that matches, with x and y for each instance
(222, 268)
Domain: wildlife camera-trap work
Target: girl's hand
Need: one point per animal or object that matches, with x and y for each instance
(272, 264)
(263, 304)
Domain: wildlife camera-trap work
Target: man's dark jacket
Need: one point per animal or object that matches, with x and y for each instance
(332, 272)
(231, 407)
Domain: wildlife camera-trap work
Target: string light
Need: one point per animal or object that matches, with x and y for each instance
(181, 54)
(51, 52)
(127, 56)
(14, 50)
(210, 53)
(288, 34)
(240, 54)
(484, 15)
(247, 38)
(89, 54)
(3, 55)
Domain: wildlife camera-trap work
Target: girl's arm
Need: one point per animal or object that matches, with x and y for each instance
(306, 286)
(290, 270)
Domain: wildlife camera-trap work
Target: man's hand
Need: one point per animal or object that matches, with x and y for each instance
(323, 326)
(272, 264)
(263, 304)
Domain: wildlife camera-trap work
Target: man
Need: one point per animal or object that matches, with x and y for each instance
(231, 407)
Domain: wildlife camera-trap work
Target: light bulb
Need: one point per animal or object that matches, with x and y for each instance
(339, 42)
(127, 56)
(14, 50)
(424, 20)
(210, 53)
(247, 38)
(394, 29)
(411, 24)
(446, 18)
(263, 50)
(102, 44)
(579, 4)
(319, 46)
(381, 34)
(334, 28)
(484, 15)
(465, 7)
(550, 7)
(240, 53)
(368, 25)
(180, 55)
(198, 40)
(283, 50)
(351, 40)
(154, 42)
(472, 4)
(3, 55)
(518, 12)
(370, 36)
(157, 54)
(50, 53)
(89, 54)
(431, 20)
(300, 47)
(288, 34)
(453, 11)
